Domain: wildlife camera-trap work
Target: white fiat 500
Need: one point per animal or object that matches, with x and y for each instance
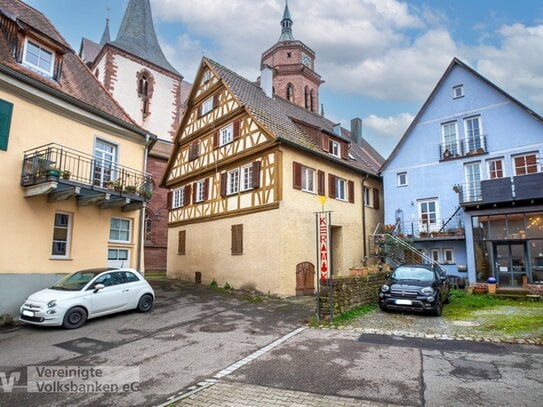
(88, 294)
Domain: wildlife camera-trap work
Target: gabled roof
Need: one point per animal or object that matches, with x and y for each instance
(89, 50)
(137, 35)
(459, 63)
(77, 85)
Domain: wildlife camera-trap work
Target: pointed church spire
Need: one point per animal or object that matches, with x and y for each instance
(105, 35)
(286, 25)
(137, 35)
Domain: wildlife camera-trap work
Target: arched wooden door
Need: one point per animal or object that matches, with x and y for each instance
(305, 279)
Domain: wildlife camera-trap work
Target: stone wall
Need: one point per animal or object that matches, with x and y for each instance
(350, 292)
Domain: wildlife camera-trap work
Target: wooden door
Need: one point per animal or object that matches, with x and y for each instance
(305, 279)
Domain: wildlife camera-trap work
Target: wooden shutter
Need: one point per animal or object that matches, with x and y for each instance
(194, 150)
(199, 112)
(224, 181)
(325, 142)
(256, 175)
(344, 151)
(206, 189)
(215, 101)
(216, 139)
(297, 175)
(181, 239)
(350, 188)
(331, 186)
(320, 183)
(169, 200)
(237, 239)
(375, 198)
(236, 130)
(194, 192)
(186, 195)
(6, 110)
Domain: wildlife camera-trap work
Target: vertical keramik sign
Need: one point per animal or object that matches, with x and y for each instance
(323, 240)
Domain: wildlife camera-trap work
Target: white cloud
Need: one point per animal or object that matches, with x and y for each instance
(391, 126)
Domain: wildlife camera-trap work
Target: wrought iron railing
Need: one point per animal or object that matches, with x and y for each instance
(462, 148)
(429, 228)
(57, 162)
(469, 192)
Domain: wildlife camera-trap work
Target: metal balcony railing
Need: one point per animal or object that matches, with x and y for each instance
(431, 228)
(56, 162)
(462, 148)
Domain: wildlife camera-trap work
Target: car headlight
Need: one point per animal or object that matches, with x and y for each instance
(52, 303)
(427, 291)
(385, 288)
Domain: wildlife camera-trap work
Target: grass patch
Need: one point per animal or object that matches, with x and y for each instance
(343, 319)
(512, 324)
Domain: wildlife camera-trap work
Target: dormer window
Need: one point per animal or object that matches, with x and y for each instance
(335, 148)
(38, 58)
(458, 91)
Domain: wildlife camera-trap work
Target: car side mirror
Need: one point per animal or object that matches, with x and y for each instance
(98, 287)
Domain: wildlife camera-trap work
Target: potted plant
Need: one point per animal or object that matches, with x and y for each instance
(53, 172)
(66, 174)
(130, 189)
(117, 186)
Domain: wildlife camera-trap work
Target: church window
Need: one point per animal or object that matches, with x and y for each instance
(311, 101)
(145, 90)
(290, 92)
(306, 97)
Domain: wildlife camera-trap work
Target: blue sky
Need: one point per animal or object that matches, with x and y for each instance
(380, 59)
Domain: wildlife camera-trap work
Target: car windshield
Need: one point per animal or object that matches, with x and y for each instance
(413, 273)
(76, 281)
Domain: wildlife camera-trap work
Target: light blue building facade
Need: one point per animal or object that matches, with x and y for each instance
(465, 182)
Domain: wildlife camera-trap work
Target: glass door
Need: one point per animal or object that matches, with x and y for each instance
(510, 263)
(105, 156)
(473, 182)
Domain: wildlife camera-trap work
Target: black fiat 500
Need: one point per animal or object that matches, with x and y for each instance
(415, 287)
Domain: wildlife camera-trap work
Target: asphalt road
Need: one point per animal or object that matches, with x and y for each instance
(192, 333)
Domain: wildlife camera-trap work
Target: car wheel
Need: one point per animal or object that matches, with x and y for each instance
(438, 309)
(145, 303)
(74, 318)
(383, 308)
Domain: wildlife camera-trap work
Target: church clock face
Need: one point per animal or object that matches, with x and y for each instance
(306, 60)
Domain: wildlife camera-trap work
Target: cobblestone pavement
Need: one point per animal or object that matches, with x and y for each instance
(240, 394)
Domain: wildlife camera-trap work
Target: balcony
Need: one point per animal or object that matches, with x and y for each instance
(62, 173)
(432, 229)
(462, 148)
(521, 188)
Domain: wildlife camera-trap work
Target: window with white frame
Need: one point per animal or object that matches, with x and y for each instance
(232, 182)
(448, 256)
(178, 197)
(450, 140)
(200, 191)
(458, 91)
(119, 230)
(61, 235)
(368, 197)
(472, 172)
(38, 58)
(308, 179)
(117, 255)
(428, 215)
(474, 138)
(226, 135)
(435, 255)
(335, 148)
(401, 179)
(495, 168)
(206, 76)
(525, 164)
(207, 106)
(246, 177)
(341, 186)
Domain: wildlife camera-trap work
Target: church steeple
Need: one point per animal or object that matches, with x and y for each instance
(286, 26)
(105, 36)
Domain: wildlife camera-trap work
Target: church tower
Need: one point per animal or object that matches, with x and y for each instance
(293, 64)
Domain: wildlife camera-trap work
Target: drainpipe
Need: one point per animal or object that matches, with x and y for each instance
(364, 253)
(148, 141)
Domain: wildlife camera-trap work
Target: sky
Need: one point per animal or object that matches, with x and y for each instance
(380, 59)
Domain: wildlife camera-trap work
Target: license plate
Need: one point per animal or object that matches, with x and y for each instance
(404, 302)
(28, 313)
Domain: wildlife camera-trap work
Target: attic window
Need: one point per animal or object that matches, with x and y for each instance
(335, 148)
(207, 76)
(458, 91)
(38, 58)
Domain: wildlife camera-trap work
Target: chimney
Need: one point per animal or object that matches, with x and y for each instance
(356, 130)
(337, 129)
(266, 80)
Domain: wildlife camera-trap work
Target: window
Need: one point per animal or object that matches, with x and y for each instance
(335, 148)
(495, 168)
(117, 257)
(61, 235)
(308, 179)
(232, 182)
(105, 161)
(207, 75)
(194, 150)
(435, 255)
(428, 215)
(290, 92)
(340, 189)
(450, 142)
(181, 242)
(200, 191)
(312, 100)
(178, 197)
(247, 177)
(226, 135)
(38, 58)
(129, 277)
(306, 97)
(401, 179)
(474, 139)
(110, 279)
(207, 106)
(525, 164)
(6, 110)
(119, 230)
(148, 225)
(448, 256)
(237, 239)
(458, 91)
(472, 173)
(367, 197)
(371, 197)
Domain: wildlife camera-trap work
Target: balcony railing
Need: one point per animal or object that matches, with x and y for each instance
(54, 162)
(462, 148)
(432, 228)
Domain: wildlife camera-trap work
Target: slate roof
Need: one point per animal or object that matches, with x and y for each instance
(277, 115)
(138, 37)
(77, 84)
(89, 50)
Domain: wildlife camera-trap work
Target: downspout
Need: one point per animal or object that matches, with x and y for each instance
(148, 141)
(364, 238)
